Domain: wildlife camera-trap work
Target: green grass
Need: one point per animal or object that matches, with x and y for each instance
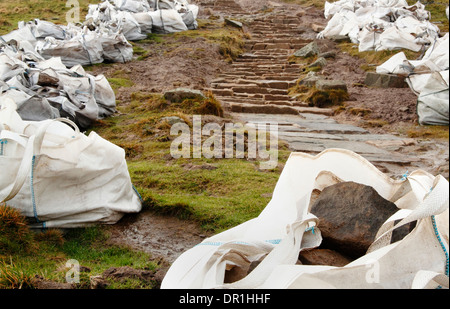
(234, 191)
(437, 11)
(45, 255)
(305, 3)
(375, 58)
(117, 82)
(230, 40)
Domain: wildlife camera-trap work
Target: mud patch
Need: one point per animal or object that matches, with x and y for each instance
(163, 237)
(183, 61)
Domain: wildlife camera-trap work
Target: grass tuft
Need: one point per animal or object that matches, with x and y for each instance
(15, 236)
(14, 277)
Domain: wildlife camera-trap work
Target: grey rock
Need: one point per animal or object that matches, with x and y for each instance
(331, 85)
(180, 94)
(310, 79)
(323, 257)
(328, 54)
(385, 80)
(172, 120)
(309, 50)
(339, 38)
(234, 23)
(320, 62)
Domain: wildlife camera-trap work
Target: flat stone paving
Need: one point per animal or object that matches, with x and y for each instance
(313, 134)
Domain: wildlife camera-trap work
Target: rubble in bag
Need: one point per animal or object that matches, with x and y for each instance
(317, 200)
(46, 89)
(380, 25)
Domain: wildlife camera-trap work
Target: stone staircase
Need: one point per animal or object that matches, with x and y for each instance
(255, 90)
(259, 80)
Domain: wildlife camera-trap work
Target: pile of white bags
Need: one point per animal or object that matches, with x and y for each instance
(60, 178)
(105, 33)
(46, 89)
(39, 48)
(137, 18)
(380, 24)
(73, 44)
(286, 227)
(428, 78)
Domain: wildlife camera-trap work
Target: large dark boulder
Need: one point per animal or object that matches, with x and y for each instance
(350, 216)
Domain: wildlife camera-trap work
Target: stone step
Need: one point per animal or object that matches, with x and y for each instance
(280, 61)
(271, 46)
(266, 72)
(275, 35)
(288, 40)
(248, 100)
(257, 109)
(273, 52)
(275, 109)
(293, 78)
(251, 56)
(259, 99)
(265, 65)
(251, 83)
(288, 77)
(220, 92)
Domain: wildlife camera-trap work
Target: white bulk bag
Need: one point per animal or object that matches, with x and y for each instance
(84, 49)
(438, 53)
(103, 12)
(115, 47)
(42, 29)
(369, 38)
(61, 178)
(37, 108)
(393, 38)
(134, 6)
(340, 24)
(167, 21)
(394, 65)
(80, 91)
(286, 227)
(128, 25)
(145, 21)
(18, 35)
(104, 97)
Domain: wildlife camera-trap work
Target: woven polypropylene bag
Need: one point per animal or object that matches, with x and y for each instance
(286, 227)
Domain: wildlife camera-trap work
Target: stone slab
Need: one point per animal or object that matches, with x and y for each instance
(331, 127)
(385, 80)
(331, 85)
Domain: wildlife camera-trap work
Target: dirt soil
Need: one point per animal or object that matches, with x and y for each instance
(194, 64)
(164, 237)
(179, 62)
(392, 105)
